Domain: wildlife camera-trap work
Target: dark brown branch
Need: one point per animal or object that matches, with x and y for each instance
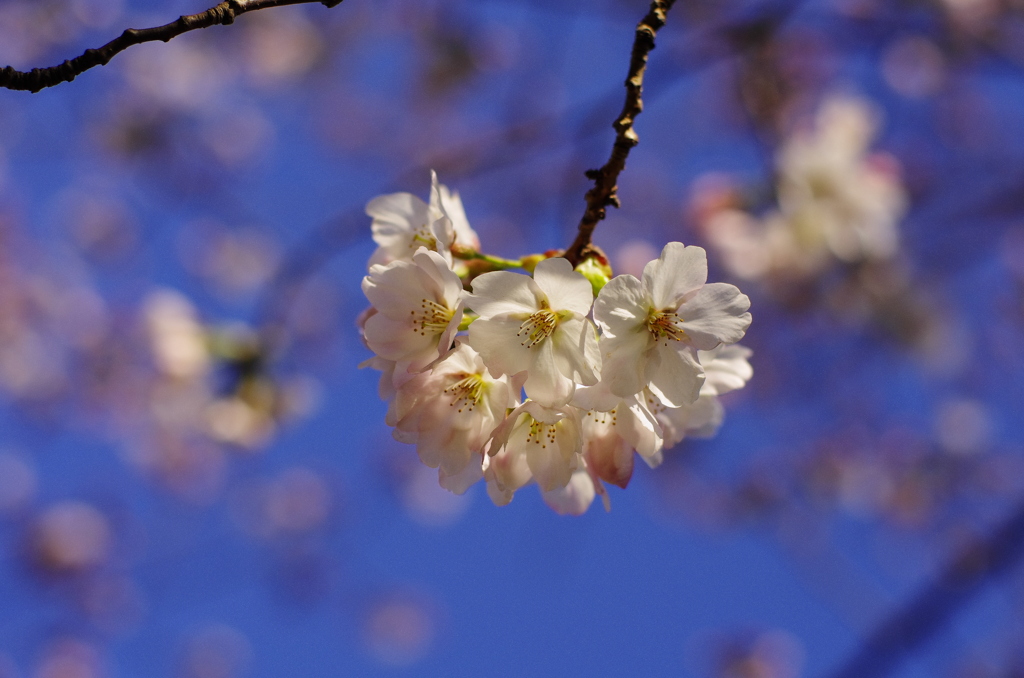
(606, 179)
(222, 14)
(958, 583)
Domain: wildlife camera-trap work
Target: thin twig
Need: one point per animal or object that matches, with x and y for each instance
(222, 14)
(958, 583)
(604, 192)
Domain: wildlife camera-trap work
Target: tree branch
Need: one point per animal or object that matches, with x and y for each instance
(606, 178)
(222, 14)
(956, 585)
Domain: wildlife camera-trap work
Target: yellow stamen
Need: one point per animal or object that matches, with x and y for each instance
(537, 327)
(665, 325)
(432, 317)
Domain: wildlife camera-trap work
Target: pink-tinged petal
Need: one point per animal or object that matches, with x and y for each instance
(706, 416)
(396, 216)
(396, 340)
(407, 437)
(458, 483)
(717, 314)
(575, 498)
(565, 288)
(447, 338)
(545, 383)
(700, 420)
(450, 204)
(550, 462)
(621, 307)
(574, 346)
(443, 277)
(678, 376)
(655, 460)
(639, 428)
(727, 369)
(677, 272)
(626, 366)
(397, 289)
(610, 457)
(510, 469)
(502, 351)
(380, 257)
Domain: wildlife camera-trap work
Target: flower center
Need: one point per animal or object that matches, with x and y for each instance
(423, 237)
(432, 317)
(665, 325)
(540, 433)
(467, 392)
(604, 418)
(537, 327)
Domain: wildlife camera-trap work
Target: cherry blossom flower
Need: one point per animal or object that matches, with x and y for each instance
(450, 412)
(836, 200)
(829, 182)
(419, 307)
(402, 223)
(652, 329)
(539, 326)
(534, 442)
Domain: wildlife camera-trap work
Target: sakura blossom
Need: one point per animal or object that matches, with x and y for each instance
(537, 325)
(538, 442)
(837, 201)
(402, 223)
(503, 376)
(419, 308)
(450, 412)
(652, 329)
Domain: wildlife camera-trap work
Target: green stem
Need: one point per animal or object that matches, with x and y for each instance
(498, 263)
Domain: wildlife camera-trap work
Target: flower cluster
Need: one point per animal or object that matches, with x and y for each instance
(836, 202)
(518, 377)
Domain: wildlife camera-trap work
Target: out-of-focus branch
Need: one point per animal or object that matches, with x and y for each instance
(222, 14)
(606, 178)
(961, 579)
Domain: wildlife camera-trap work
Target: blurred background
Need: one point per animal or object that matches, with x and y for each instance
(196, 480)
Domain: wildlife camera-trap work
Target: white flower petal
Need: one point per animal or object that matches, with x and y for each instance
(435, 266)
(450, 204)
(552, 462)
(626, 366)
(565, 288)
(574, 345)
(500, 292)
(717, 314)
(575, 498)
(638, 427)
(621, 306)
(677, 272)
(678, 376)
(396, 340)
(726, 368)
(545, 382)
(495, 340)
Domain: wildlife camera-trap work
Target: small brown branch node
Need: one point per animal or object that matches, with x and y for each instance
(605, 189)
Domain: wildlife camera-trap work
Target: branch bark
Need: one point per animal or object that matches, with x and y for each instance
(222, 14)
(604, 191)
